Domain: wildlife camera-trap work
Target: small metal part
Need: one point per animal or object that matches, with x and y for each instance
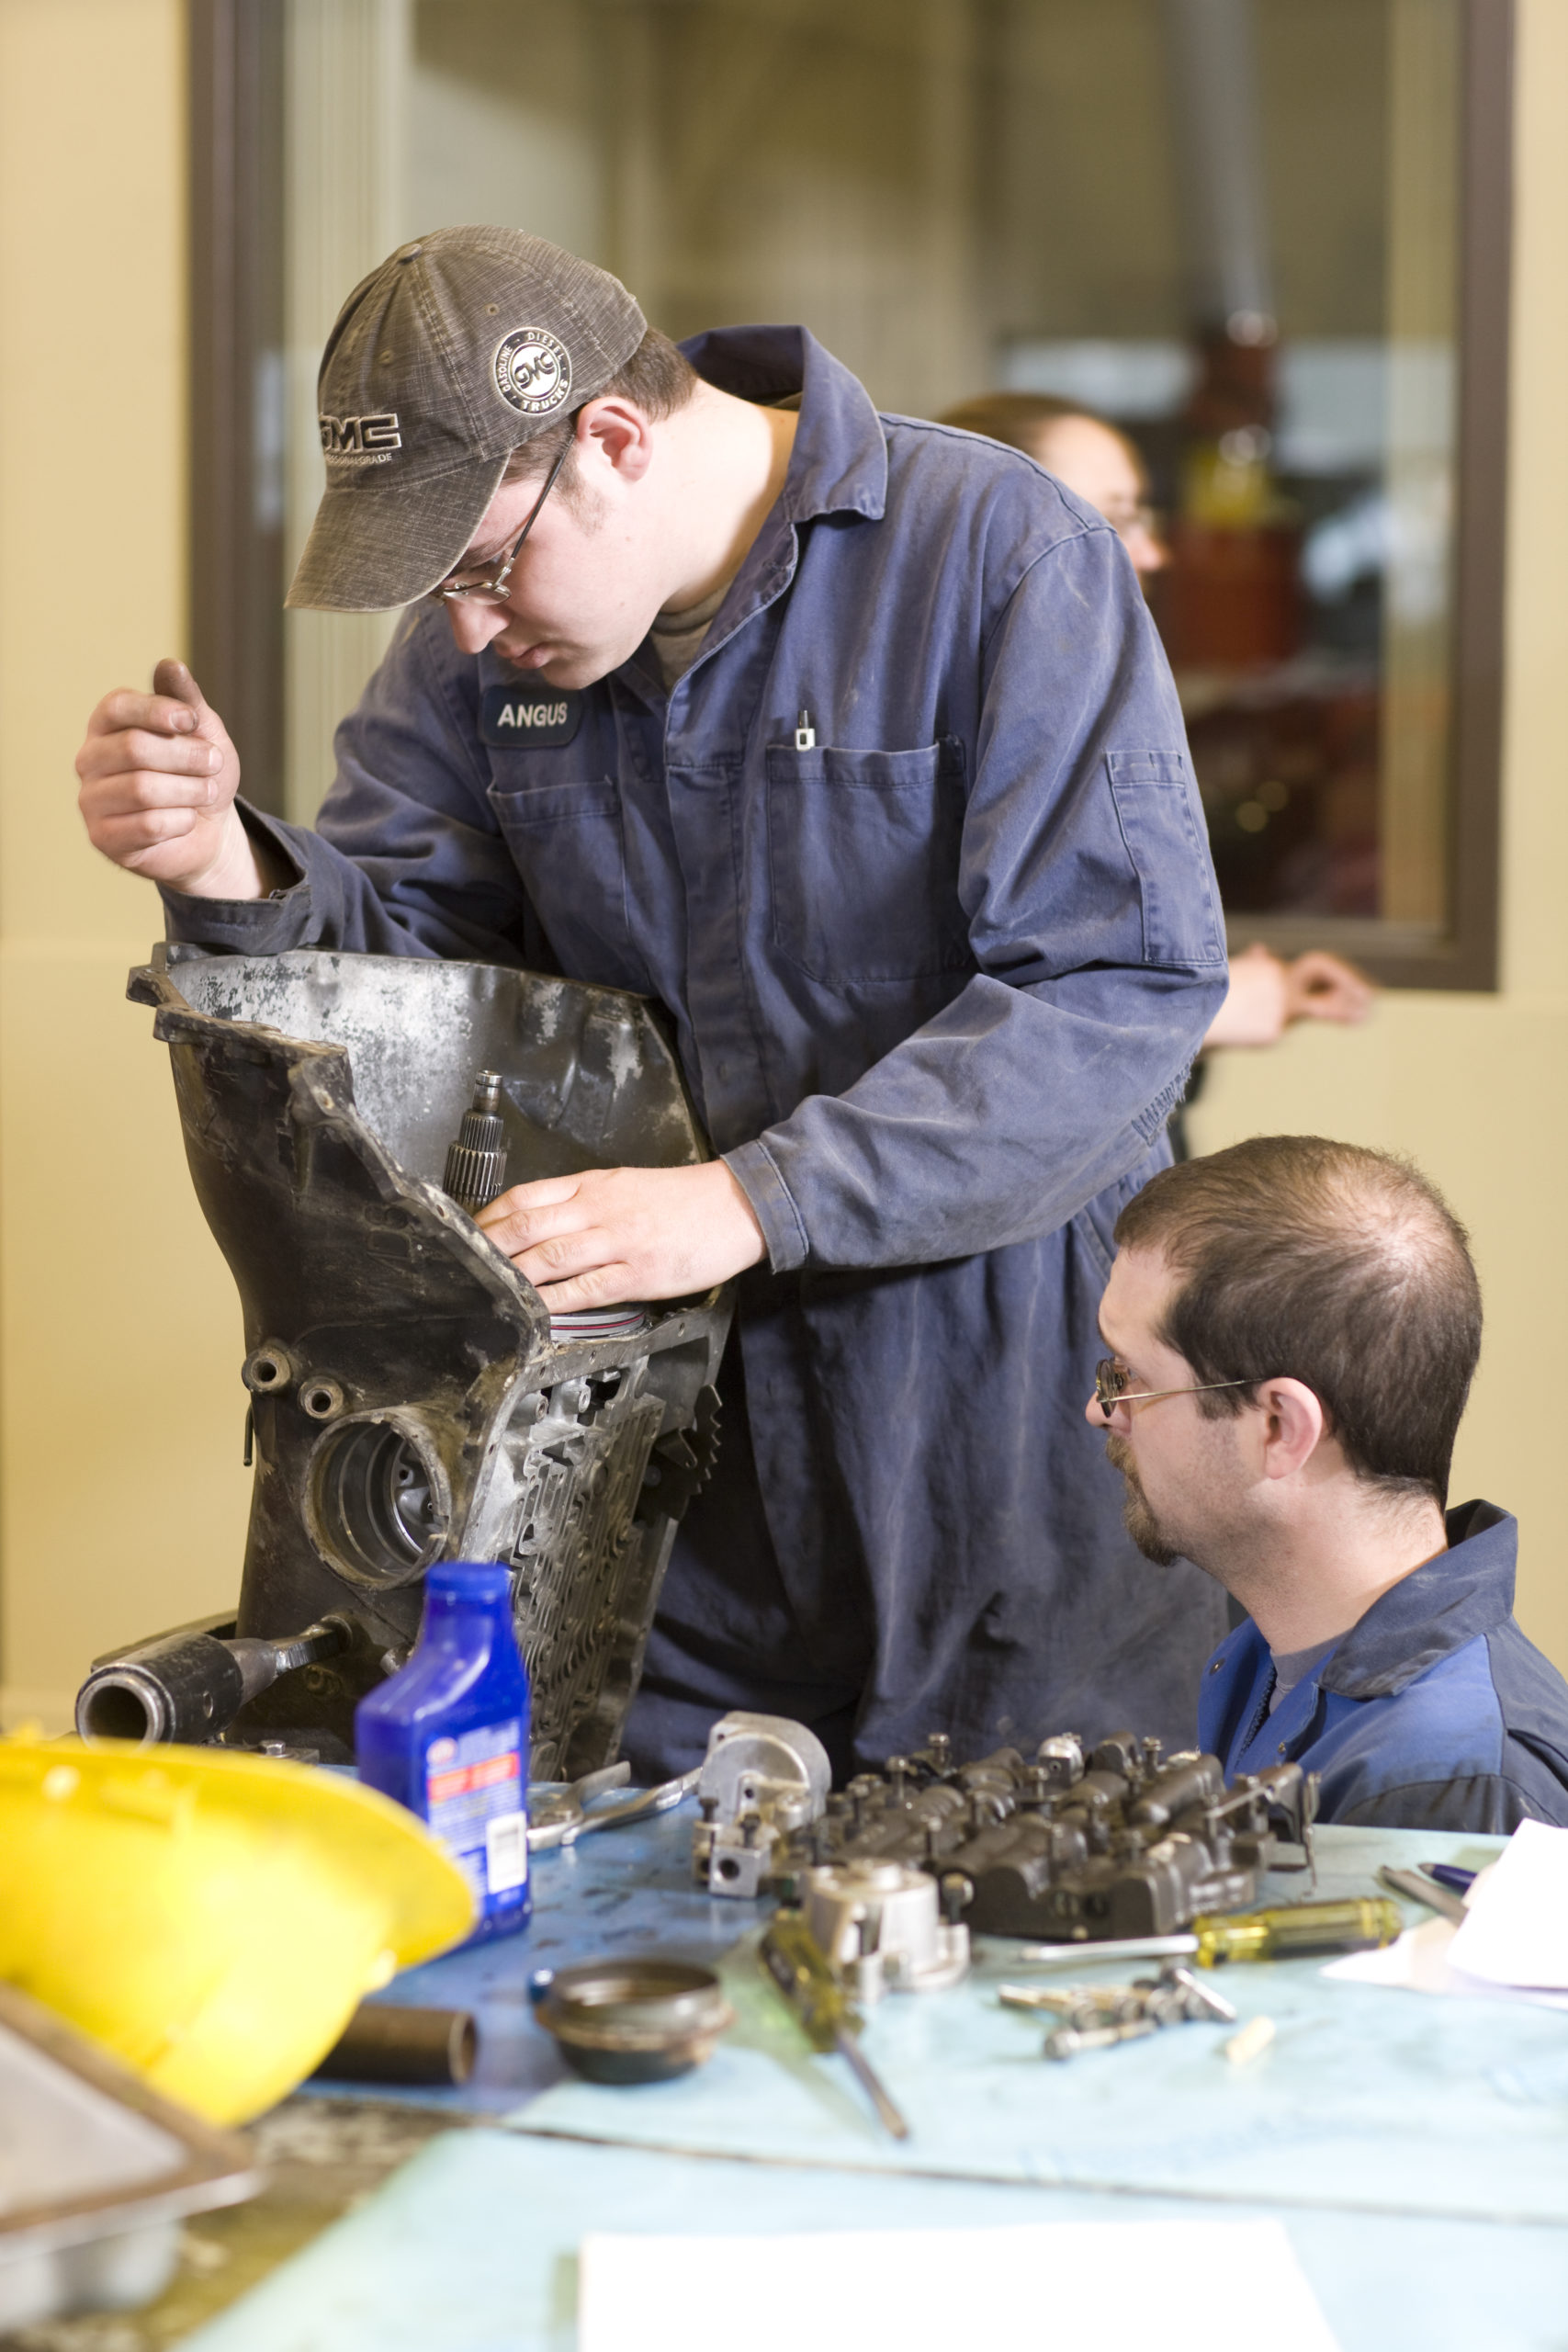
(385, 2041)
(764, 1777)
(1205, 1994)
(634, 2021)
(1411, 1883)
(805, 733)
(1068, 2041)
(877, 1922)
(476, 1160)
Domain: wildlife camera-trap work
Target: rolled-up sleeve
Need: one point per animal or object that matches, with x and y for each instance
(1094, 921)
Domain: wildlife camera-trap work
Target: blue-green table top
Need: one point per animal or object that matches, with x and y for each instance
(1416, 2149)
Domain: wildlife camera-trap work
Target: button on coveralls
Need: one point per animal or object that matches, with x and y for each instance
(935, 983)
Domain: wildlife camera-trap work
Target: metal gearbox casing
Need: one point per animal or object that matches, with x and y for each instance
(409, 1401)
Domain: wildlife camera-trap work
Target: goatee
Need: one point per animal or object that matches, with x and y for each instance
(1139, 1519)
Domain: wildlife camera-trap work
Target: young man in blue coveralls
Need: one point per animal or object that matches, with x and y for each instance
(848, 738)
(1294, 1325)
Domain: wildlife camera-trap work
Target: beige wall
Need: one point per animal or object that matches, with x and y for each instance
(1476, 1088)
(124, 1500)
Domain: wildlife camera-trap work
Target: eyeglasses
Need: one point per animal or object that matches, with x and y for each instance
(492, 589)
(1111, 1387)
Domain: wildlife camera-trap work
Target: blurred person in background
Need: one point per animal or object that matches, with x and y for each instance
(1092, 457)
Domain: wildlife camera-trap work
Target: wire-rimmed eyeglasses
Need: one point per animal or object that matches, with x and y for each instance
(1111, 1387)
(491, 588)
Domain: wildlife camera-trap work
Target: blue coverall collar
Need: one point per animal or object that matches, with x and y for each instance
(840, 461)
(1466, 1590)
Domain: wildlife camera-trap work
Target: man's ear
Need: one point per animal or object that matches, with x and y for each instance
(614, 434)
(1294, 1425)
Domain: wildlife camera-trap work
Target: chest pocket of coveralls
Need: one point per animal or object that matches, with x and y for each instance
(862, 860)
(565, 842)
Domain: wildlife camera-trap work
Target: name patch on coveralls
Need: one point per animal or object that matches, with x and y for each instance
(518, 719)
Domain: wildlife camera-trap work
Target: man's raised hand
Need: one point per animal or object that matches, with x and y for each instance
(625, 1233)
(159, 777)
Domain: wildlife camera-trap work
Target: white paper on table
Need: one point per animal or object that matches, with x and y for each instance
(1516, 1928)
(1053, 2286)
(1420, 1962)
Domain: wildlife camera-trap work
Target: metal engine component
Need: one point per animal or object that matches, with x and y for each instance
(1122, 1841)
(409, 1400)
(189, 1685)
(878, 1925)
(630, 2019)
(476, 1158)
(763, 1779)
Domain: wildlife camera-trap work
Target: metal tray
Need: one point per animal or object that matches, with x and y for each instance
(97, 2173)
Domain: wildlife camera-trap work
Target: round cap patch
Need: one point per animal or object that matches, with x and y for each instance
(533, 371)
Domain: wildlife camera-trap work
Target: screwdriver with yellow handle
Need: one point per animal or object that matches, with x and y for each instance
(1293, 1932)
(803, 1974)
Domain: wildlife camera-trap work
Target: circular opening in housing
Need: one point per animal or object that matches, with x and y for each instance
(378, 1499)
(116, 1708)
(267, 1369)
(321, 1399)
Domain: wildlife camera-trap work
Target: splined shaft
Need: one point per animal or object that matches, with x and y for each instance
(476, 1162)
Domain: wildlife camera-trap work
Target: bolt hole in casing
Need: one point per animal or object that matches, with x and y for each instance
(377, 1502)
(268, 1370)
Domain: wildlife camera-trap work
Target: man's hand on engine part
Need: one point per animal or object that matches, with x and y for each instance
(159, 777)
(625, 1233)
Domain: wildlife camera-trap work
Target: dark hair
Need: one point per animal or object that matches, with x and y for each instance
(1330, 1264)
(1015, 418)
(658, 376)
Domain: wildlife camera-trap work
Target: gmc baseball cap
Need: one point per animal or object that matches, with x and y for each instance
(460, 347)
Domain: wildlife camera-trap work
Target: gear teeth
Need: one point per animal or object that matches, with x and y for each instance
(476, 1161)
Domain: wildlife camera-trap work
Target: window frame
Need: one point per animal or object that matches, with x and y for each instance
(236, 548)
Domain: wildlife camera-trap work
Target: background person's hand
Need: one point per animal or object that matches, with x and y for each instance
(1267, 995)
(613, 1234)
(159, 777)
(1321, 987)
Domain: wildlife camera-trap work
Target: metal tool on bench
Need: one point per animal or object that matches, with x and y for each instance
(1293, 1931)
(1093, 2017)
(559, 1815)
(1431, 1892)
(798, 1966)
(410, 1397)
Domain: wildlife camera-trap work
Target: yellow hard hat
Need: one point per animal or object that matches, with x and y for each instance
(211, 1917)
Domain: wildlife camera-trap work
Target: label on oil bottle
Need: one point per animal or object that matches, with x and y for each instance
(474, 1804)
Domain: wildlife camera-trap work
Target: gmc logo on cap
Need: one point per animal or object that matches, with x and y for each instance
(353, 435)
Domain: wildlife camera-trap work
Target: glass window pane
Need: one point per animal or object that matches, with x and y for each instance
(1229, 226)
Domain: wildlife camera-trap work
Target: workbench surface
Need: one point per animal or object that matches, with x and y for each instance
(1415, 2149)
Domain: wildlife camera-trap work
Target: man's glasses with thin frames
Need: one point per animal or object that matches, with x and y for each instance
(492, 588)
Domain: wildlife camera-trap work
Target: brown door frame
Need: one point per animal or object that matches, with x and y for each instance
(238, 391)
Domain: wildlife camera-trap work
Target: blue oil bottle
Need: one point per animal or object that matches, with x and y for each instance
(447, 1736)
